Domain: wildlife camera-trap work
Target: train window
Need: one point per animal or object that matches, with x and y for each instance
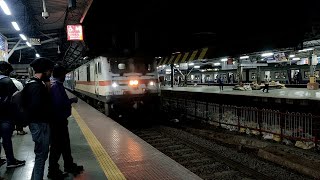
(78, 75)
(88, 72)
(99, 67)
(95, 68)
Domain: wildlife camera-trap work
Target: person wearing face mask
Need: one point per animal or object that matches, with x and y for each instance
(38, 106)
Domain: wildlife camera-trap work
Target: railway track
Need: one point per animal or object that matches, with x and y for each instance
(203, 160)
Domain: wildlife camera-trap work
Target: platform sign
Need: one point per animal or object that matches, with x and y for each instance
(183, 66)
(3, 47)
(34, 41)
(74, 33)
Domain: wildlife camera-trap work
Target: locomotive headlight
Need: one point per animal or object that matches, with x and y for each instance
(151, 83)
(133, 82)
(114, 84)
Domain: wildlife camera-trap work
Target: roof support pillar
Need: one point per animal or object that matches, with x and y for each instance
(13, 49)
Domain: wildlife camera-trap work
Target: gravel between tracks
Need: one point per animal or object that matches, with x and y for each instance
(269, 169)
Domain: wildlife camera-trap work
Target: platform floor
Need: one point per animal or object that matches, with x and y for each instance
(23, 148)
(105, 149)
(288, 93)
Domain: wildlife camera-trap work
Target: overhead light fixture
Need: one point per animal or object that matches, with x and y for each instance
(291, 55)
(216, 64)
(305, 50)
(296, 59)
(244, 57)
(191, 64)
(15, 25)
(58, 50)
(28, 44)
(23, 37)
(224, 59)
(196, 67)
(267, 54)
(216, 69)
(37, 55)
(5, 7)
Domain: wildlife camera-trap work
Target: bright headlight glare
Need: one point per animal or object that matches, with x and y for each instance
(151, 83)
(133, 82)
(114, 84)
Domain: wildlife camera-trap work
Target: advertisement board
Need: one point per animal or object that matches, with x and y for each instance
(3, 47)
(74, 33)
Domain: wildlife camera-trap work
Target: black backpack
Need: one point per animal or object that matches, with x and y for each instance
(18, 105)
(4, 100)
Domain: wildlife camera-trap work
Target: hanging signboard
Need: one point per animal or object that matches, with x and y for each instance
(3, 48)
(183, 66)
(34, 41)
(74, 33)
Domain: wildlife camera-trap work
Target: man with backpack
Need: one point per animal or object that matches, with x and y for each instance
(38, 107)
(7, 89)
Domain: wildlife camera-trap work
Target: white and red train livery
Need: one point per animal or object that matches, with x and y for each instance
(115, 80)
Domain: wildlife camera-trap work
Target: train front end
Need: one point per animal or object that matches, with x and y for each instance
(134, 84)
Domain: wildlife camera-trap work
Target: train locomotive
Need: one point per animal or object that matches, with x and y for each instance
(116, 84)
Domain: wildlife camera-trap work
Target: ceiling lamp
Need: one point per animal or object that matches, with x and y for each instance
(23, 37)
(267, 54)
(244, 57)
(15, 26)
(5, 7)
(224, 59)
(37, 55)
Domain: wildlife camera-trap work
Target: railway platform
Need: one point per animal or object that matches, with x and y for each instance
(105, 149)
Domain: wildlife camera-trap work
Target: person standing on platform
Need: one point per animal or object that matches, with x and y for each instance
(266, 84)
(19, 85)
(59, 128)
(7, 89)
(38, 106)
(220, 83)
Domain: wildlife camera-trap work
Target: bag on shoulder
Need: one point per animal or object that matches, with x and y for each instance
(4, 100)
(18, 104)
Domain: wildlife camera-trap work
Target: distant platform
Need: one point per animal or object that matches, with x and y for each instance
(287, 93)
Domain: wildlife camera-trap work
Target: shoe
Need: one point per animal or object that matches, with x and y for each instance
(16, 163)
(21, 133)
(2, 161)
(57, 174)
(74, 169)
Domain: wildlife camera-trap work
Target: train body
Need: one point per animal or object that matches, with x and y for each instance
(116, 82)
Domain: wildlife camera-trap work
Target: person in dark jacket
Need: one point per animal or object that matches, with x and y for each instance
(60, 143)
(7, 89)
(38, 107)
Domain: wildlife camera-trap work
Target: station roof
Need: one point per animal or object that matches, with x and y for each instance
(162, 27)
(50, 31)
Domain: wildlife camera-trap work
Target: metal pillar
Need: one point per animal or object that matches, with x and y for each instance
(172, 75)
(239, 71)
(258, 75)
(312, 67)
(13, 49)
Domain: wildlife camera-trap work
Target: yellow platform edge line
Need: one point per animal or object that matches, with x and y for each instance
(109, 168)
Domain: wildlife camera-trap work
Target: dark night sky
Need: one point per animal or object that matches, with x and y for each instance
(165, 27)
